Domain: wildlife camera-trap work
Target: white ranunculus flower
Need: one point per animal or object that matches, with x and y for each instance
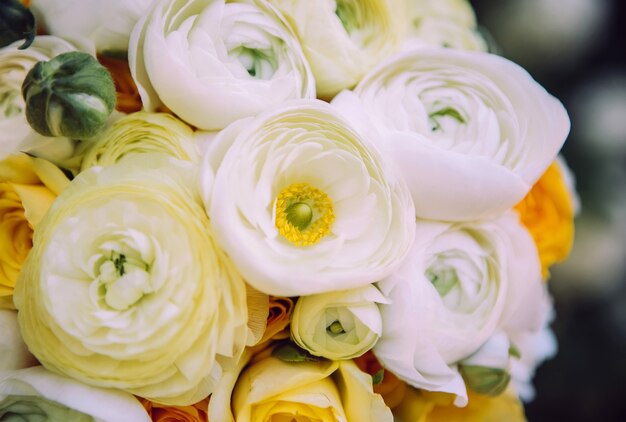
(459, 12)
(435, 32)
(15, 133)
(13, 351)
(442, 23)
(534, 347)
(344, 39)
(105, 25)
(471, 132)
(461, 283)
(35, 394)
(212, 62)
(303, 204)
(126, 288)
(338, 325)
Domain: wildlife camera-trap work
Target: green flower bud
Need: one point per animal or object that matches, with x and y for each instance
(16, 23)
(485, 380)
(71, 95)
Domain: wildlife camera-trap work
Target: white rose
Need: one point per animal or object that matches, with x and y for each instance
(471, 132)
(126, 288)
(16, 134)
(104, 25)
(338, 325)
(213, 62)
(460, 284)
(303, 204)
(13, 351)
(35, 394)
(344, 39)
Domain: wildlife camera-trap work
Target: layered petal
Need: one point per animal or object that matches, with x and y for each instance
(212, 62)
(461, 283)
(470, 132)
(126, 288)
(303, 204)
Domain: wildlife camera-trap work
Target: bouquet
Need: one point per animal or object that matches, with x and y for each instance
(272, 210)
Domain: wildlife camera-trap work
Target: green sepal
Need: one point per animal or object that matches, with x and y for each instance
(485, 380)
(16, 23)
(71, 95)
(378, 377)
(289, 352)
(514, 351)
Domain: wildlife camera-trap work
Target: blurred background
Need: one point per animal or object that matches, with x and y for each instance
(577, 50)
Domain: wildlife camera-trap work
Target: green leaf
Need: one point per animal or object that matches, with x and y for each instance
(378, 377)
(16, 23)
(289, 352)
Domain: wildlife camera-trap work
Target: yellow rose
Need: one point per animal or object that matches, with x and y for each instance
(271, 389)
(160, 413)
(424, 406)
(27, 188)
(548, 214)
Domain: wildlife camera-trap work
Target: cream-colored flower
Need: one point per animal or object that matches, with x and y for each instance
(103, 25)
(15, 133)
(303, 204)
(35, 394)
(141, 133)
(307, 391)
(338, 325)
(214, 61)
(126, 288)
(344, 39)
(442, 23)
(461, 284)
(470, 132)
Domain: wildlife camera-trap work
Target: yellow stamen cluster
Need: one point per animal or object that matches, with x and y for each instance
(292, 220)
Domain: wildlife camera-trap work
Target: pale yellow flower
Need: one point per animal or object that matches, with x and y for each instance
(126, 288)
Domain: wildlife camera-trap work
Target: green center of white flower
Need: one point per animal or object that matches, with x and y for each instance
(299, 214)
(260, 63)
(335, 328)
(124, 279)
(443, 278)
(348, 13)
(441, 118)
(10, 104)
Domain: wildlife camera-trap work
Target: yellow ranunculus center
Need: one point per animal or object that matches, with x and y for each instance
(304, 214)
